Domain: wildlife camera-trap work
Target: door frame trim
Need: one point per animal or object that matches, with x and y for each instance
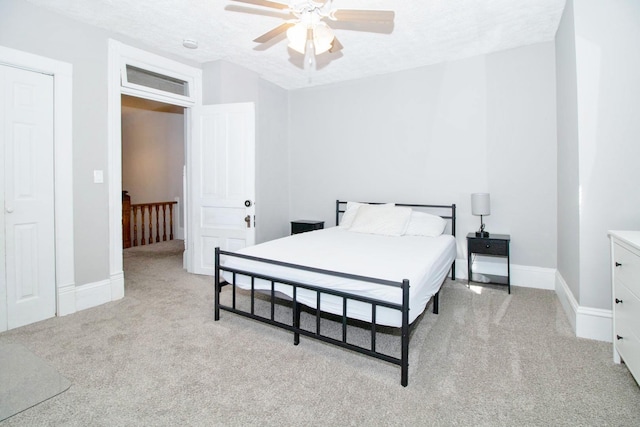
(119, 55)
(62, 73)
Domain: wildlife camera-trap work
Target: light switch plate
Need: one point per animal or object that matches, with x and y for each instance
(98, 177)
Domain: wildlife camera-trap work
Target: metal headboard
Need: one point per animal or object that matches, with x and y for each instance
(341, 207)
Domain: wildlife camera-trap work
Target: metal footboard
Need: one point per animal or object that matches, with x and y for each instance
(294, 326)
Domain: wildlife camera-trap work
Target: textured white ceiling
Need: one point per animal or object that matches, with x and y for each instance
(425, 32)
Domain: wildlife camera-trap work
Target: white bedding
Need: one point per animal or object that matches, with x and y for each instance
(424, 261)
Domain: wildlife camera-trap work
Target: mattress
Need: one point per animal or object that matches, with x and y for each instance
(424, 261)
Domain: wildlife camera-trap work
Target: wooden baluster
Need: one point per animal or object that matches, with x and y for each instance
(126, 220)
(157, 222)
(150, 207)
(171, 221)
(164, 222)
(135, 225)
(161, 221)
(142, 226)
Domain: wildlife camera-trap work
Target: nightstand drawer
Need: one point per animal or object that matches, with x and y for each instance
(304, 225)
(489, 246)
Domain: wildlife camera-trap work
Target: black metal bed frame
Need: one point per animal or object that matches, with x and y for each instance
(294, 327)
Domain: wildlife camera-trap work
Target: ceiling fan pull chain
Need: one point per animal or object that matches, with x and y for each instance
(310, 52)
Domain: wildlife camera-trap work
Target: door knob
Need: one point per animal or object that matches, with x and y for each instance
(247, 219)
(9, 210)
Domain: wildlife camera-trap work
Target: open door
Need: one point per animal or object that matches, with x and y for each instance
(222, 162)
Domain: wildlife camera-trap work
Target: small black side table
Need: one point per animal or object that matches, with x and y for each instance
(495, 245)
(304, 225)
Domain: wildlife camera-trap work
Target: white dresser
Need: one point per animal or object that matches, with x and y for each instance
(625, 279)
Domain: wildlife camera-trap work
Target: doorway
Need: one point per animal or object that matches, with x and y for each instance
(142, 75)
(153, 153)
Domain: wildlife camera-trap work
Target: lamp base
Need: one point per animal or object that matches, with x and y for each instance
(482, 234)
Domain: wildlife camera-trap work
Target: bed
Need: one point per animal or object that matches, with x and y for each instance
(381, 264)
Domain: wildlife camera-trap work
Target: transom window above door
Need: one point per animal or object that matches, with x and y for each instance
(137, 78)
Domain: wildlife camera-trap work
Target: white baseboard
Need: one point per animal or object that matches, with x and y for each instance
(93, 294)
(75, 298)
(524, 276)
(533, 277)
(587, 322)
(567, 300)
(594, 323)
(117, 286)
(66, 300)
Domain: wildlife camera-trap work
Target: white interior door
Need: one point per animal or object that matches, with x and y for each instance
(26, 192)
(223, 182)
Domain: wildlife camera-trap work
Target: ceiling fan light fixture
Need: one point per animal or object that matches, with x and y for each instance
(322, 37)
(308, 33)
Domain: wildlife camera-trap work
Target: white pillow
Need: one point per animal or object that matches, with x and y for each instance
(349, 214)
(387, 220)
(424, 224)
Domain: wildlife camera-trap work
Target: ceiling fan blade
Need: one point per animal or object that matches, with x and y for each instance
(356, 15)
(265, 3)
(243, 9)
(336, 46)
(370, 27)
(273, 33)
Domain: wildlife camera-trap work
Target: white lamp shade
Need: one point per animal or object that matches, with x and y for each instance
(480, 204)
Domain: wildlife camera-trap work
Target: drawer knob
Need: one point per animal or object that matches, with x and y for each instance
(618, 301)
(618, 337)
(618, 264)
(488, 246)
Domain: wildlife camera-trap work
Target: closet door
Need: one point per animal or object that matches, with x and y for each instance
(26, 189)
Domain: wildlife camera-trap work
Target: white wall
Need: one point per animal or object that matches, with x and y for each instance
(521, 142)
(598, 127)
(608, 70)
(568, 167)
(228, 83)
(435, 135)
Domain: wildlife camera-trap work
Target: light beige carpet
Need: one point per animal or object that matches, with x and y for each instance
(157, 358)
(25, 380)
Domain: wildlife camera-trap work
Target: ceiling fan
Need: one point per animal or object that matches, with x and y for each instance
(307, 28)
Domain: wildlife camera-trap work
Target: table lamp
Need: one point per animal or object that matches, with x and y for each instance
(480, 205)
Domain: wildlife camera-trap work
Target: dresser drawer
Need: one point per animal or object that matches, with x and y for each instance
(488, 246)
(629, 349)
(626, 268)
(625, 337)
(626, 311)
